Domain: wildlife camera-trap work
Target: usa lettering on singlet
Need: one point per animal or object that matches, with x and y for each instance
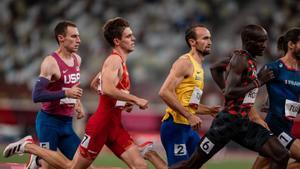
(70, 76)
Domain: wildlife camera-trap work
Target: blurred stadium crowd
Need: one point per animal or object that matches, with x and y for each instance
(26, 36)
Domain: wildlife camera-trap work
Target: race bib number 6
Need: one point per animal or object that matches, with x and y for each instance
(207, 145)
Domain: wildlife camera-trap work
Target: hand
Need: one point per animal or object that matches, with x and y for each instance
(79, 109)
(214, 110)
(261, 122)
(264, 75)
(128, 107)
(74, 92)
(195, 122)
(142, 103)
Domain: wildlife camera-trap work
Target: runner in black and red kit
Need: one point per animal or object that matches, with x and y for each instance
(233, 122)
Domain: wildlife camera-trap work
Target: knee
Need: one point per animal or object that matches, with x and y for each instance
(283, 156)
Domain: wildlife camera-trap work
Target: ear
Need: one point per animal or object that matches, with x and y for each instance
(60, 38)
(192, 42)
(291, 45)
(116, 41)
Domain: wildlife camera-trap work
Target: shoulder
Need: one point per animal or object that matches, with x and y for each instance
(184, 60)
(113, 60)
(239, 57)
(49, 60)
(275, 64)
(183, 66)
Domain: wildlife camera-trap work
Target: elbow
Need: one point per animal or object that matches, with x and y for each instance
(35, 97)
(162, 94)
(228, 94)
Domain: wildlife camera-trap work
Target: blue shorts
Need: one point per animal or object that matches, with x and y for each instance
(179, 140)
(56, 131)
(282, 128)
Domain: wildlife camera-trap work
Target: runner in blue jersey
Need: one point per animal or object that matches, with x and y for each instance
(284, 93)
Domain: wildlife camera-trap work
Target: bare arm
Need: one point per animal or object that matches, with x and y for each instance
(233, 89)
(95, 82)
(180, 69)
(111, 74)
(256, 117)
(217, 71)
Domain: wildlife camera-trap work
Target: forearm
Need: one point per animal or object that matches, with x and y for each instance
(254, 115)
(217, 75)
(235, 92)
(119, 95)
(203, 109)
(172, 101)
(41, 94)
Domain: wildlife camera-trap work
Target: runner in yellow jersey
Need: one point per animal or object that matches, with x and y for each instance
(182, 92)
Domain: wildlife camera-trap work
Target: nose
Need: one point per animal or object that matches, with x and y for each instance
(78, 39)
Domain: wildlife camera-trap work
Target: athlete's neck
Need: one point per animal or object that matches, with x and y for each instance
(196, 55)
(291, 61)
(64, 53)
(123, 54)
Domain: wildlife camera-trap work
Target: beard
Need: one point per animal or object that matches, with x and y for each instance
(203, 52)
(296, 55)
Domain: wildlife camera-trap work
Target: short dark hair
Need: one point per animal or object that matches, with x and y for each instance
(250, 32)
(191, 34)
(292, 35)
(114, 28)
(61, 28)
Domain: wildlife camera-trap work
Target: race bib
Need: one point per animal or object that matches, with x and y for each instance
(284, 139)
(250, 96)
(195, 97)
(67, 100)
(180, 150)
(207, 145)
(121, 104)
(291, 108)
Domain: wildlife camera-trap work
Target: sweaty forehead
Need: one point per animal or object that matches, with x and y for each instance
(202, 32)
(72, 30)
(260, 35)
(127, 31)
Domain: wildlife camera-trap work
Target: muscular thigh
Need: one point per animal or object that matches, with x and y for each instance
(222, 130)
(179, 140)
(252, 135)
(119, 140)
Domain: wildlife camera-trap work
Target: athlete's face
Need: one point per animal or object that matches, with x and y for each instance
(203, 41)
(258, 45)
(71, 40)
(296, 50)
(127, 41)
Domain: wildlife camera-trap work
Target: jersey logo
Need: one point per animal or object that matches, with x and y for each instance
(45, 145)
(85, 141)
(65, 71)
(207, 145)
(180, 150)
(284, 139)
